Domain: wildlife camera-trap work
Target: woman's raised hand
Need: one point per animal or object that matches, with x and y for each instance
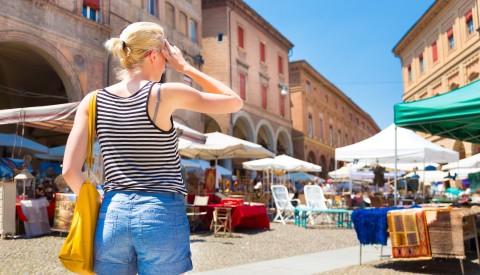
(174, 56)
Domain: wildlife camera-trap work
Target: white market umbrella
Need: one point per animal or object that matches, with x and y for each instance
(222, 146)
(282, 163)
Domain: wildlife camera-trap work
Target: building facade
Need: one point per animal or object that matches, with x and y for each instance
(324, 118)
(441, 52)
(249, 55)
(52, 52)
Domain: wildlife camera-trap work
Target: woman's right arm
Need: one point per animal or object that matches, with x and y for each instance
(218, 99)
(76, 148)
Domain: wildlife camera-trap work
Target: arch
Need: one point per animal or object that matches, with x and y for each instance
(210, 125)
(247, 121)
(311, 157)
(52, 56)
(264, 135)
(460, 148)
(323, 163)
(284, 144)
(331, 165)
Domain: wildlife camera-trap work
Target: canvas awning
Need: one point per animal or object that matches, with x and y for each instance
(59, 118)
(454, 115)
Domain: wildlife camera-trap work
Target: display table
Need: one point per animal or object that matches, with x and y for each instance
(23, 218)
(245, 216)
(35, 213)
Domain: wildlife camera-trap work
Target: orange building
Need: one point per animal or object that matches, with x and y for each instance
(249, 55)
(324, 118)
(440, 53)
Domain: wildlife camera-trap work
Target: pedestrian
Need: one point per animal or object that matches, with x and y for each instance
(142, 226)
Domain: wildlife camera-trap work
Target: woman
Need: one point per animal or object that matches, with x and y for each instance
(142, 226)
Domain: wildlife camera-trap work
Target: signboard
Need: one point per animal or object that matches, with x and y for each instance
(210, 177)
(64, 207)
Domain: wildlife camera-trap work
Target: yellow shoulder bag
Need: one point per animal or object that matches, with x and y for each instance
(76, 254)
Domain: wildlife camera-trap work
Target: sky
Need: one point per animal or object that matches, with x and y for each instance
(350, 43)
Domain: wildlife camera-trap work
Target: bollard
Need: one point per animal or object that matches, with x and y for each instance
(297, 217)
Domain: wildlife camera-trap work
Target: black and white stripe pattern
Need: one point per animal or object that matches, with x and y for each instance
(137, 155)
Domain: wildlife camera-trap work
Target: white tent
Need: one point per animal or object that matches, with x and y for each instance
(381, 148)
(470, 162)
(394, 145)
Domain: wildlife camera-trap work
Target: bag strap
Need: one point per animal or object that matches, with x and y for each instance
(91, 130)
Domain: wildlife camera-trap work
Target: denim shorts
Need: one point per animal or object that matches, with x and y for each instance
(144, 233)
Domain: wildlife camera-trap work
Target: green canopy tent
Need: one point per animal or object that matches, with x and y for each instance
(454, 115)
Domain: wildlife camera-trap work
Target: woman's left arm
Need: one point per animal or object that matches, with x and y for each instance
(75, 151)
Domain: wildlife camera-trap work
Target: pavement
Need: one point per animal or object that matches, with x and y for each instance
(308, 264)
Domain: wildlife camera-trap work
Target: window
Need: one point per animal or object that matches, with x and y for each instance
(91, 9)
(331, 135)
(409, 72)
(152, 7)
(280, 65)
(193, 30)
(346, 139)
(170, 16)
(282, 105)
(310, 125)
(264, 97)
(241, 41)
(434, 52)
(262, 52)
(220, 38)
(321, 129)
(339, 137)
(243, 93)
(309, 87)
(451, 39)
(422, 65)
(469, 22)
(182, 24)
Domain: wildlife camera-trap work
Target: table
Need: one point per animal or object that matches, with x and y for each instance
(343, 215)
(245, 216)
(23, 218)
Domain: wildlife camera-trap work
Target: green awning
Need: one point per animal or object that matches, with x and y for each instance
(454, 115)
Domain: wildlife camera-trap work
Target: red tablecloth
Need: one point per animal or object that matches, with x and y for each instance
(248, 216)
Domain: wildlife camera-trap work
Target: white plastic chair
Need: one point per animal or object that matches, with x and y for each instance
(316, 201)
(285, 209)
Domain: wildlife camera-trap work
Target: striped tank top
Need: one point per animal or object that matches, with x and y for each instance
(137, 155)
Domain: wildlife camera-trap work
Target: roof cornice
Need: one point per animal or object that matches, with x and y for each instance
(420, 25)
(251, 15)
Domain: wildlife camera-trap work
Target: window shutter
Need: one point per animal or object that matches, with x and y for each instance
(242, 86)
(434, 52)
(264, 97)
(240, 37)
(262, 52)
(468, 16)
(93, 4)
(280, 65)
(450, 33)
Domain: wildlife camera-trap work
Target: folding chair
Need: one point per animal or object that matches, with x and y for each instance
(222, 220)
(195, 214)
